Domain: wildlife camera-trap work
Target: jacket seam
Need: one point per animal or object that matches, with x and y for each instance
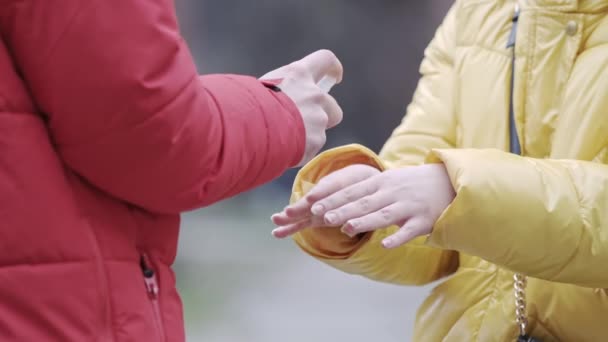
(267, 146)
(467, 310)
(484, 47)
(491, 298)
(106, 285)
(583, 225)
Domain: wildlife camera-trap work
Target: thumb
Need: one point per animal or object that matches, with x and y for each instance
(323, 63)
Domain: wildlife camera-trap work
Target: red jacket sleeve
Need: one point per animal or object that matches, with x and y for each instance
(129, 113)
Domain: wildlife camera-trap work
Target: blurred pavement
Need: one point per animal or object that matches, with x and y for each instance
(239, 284)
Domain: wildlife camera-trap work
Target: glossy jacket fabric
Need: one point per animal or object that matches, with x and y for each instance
(107, 133)
(543, 214)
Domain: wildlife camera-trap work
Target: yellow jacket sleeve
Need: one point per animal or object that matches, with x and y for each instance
(413, 264)
(540, 217)
(428, 124)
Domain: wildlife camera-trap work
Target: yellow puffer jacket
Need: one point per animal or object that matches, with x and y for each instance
(543, 214)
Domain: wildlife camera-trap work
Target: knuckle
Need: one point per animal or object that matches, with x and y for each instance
(330, 181)
(364, 203)
(318, 97)
(326, 98)
(323, 120)
(369, 189)
(340, 184)
(367, 169)
(316, 141)
(339, 115)
(328, 53)
(297, 70)
(321, 140)
(348, 194)
(328, 203)
(386, 214)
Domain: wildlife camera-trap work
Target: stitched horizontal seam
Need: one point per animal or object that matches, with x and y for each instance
(63, 262)
(502, 52)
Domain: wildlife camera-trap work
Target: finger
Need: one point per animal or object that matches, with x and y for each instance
(333, 110)
(296, 211)
(281, 219)
(356, 209)
(336, 181)
(383, 218)
(326, 83)
(321, 63)
(353, 198)
(411, 229)
(290, 229)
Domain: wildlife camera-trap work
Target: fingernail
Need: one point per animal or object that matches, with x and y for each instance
(387, 243)
(317, 209)
(349, 230)
(276, 233)
(331, 218)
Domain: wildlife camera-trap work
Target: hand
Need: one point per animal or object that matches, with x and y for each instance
(319, 110)
(412, 197)
(303, 214)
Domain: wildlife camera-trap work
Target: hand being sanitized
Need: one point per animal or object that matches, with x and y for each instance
(307, 82)
(326, 83)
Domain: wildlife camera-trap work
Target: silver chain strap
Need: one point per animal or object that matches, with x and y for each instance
(520, 302)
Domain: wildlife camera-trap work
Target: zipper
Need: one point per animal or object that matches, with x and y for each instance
(515, 148)
(514, 144)
(151, 282)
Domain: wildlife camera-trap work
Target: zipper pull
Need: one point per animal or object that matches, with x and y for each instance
(151, 282)
(513, 34)
(152, 286)
(149, 277)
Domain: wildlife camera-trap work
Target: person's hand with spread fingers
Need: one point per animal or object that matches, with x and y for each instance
(360, 199)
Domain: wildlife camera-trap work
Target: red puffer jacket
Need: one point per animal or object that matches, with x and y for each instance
(107, 133)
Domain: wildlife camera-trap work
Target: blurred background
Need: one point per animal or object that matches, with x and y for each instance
(237, 283)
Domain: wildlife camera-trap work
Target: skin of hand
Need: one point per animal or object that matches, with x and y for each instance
(320, 111)
(361, 199)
